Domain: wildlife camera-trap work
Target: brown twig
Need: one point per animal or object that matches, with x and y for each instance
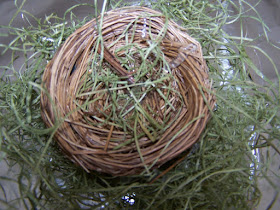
(169, 168)
(108, 138)
(111, 59)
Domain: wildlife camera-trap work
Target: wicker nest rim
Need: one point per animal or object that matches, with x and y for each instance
(143, 131)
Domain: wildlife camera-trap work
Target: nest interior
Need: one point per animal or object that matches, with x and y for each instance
(129, 92)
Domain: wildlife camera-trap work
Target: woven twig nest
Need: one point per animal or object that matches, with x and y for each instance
(128, 94)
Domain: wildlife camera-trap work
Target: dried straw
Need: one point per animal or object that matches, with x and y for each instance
(128, 117)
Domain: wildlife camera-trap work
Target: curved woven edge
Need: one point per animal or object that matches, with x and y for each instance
(92, 147)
